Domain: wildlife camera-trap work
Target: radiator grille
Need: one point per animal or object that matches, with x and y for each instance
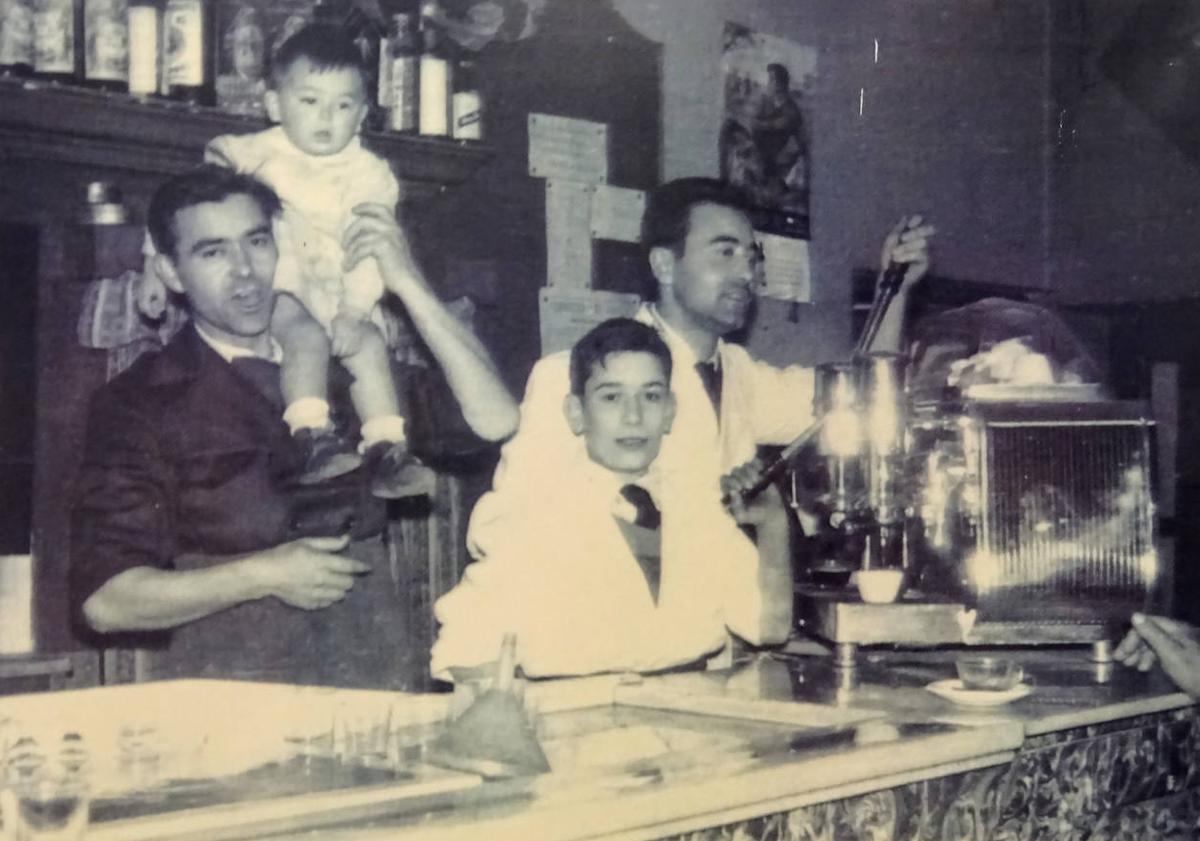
(1066, 521)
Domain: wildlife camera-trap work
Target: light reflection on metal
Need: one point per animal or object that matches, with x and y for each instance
(1037, 506)
(842, 435)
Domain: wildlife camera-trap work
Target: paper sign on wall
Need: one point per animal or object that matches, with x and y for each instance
(617, 213)
(566, 314)
(568, 234)
(568, 149)
(787, 268)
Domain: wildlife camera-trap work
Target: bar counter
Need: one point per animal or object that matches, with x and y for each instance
(786, 746)
(1096, 751)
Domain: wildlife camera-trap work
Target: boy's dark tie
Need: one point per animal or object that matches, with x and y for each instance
(263, 374)
(643, 536)
(648, 516)
(710, 375)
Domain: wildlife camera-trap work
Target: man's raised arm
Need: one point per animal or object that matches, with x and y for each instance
(486, 404)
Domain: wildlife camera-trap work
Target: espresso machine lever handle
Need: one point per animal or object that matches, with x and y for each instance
(889, 285)
(779, 463)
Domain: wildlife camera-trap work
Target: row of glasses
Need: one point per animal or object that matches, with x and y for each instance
(44, 783)
(326, 725)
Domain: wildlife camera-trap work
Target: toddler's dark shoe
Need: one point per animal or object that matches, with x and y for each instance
(326, 455)
(396, 473)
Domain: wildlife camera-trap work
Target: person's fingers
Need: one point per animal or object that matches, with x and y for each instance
(898, 229)
(1130, 648)
(330, 594)
(341, 565)
(917, 232)
(1145, 660)
(1174, 627)
(1165, 646)
(911, 251)
(370, 217)
(327, 544)
(366, 233)
(373, 210)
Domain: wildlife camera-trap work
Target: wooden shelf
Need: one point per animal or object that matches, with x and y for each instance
(51, 122)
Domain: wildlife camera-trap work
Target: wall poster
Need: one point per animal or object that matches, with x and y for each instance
(764, 141)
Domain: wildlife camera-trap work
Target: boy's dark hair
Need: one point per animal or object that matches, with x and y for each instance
(669, 208)
(616, 335)
(207, 183)
(326, 46)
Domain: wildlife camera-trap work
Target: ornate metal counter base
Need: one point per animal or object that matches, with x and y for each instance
(1127, 780)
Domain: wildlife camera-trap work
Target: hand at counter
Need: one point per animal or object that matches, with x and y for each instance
(1159, 639)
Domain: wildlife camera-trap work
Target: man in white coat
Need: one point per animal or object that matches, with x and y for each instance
(704, 256)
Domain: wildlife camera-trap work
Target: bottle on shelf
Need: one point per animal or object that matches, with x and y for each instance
(187, 51)
(56, 53)
(16, 38)
(145, 40)
(106, 44)
(434, 79)
(403, 57)
(467, 104)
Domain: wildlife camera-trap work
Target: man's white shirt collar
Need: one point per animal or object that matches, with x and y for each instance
(230, 352)
(675, 342)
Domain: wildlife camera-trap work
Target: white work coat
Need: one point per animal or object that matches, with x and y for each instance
(761, 404)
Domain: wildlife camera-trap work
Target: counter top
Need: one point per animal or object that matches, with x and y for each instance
(632, 757)
(902, 733)
(666, 795)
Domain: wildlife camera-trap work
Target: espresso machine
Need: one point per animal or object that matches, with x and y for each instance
(1018, 515)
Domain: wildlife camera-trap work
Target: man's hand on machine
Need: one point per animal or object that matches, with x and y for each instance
(765, 509)
(307, 573)
(1159, 639)
(908, 244)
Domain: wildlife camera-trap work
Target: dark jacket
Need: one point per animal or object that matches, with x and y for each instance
(186, 460)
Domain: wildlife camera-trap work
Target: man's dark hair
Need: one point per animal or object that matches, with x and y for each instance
(780, 72)
(669, 208)
(204, 184)
(616, 335)
(326, 46)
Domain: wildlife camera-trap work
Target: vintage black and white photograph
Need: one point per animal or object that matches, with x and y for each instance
(565, 420)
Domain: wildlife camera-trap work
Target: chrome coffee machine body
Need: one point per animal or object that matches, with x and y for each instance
(1018, 514)
(1037, 512)
(860, 409)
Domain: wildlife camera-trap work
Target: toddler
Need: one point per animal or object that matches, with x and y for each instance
(315, 162)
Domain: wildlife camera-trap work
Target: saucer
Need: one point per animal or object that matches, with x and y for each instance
(952, 690)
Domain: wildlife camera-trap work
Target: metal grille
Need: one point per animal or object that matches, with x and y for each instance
(1066, 527)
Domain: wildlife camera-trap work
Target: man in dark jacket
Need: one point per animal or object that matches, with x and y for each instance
(188, 516)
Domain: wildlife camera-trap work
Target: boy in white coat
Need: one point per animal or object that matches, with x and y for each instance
(591, 579)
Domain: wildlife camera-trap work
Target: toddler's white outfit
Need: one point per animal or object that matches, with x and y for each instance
(318, 193)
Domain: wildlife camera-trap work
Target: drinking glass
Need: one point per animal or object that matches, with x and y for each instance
(45, 786)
